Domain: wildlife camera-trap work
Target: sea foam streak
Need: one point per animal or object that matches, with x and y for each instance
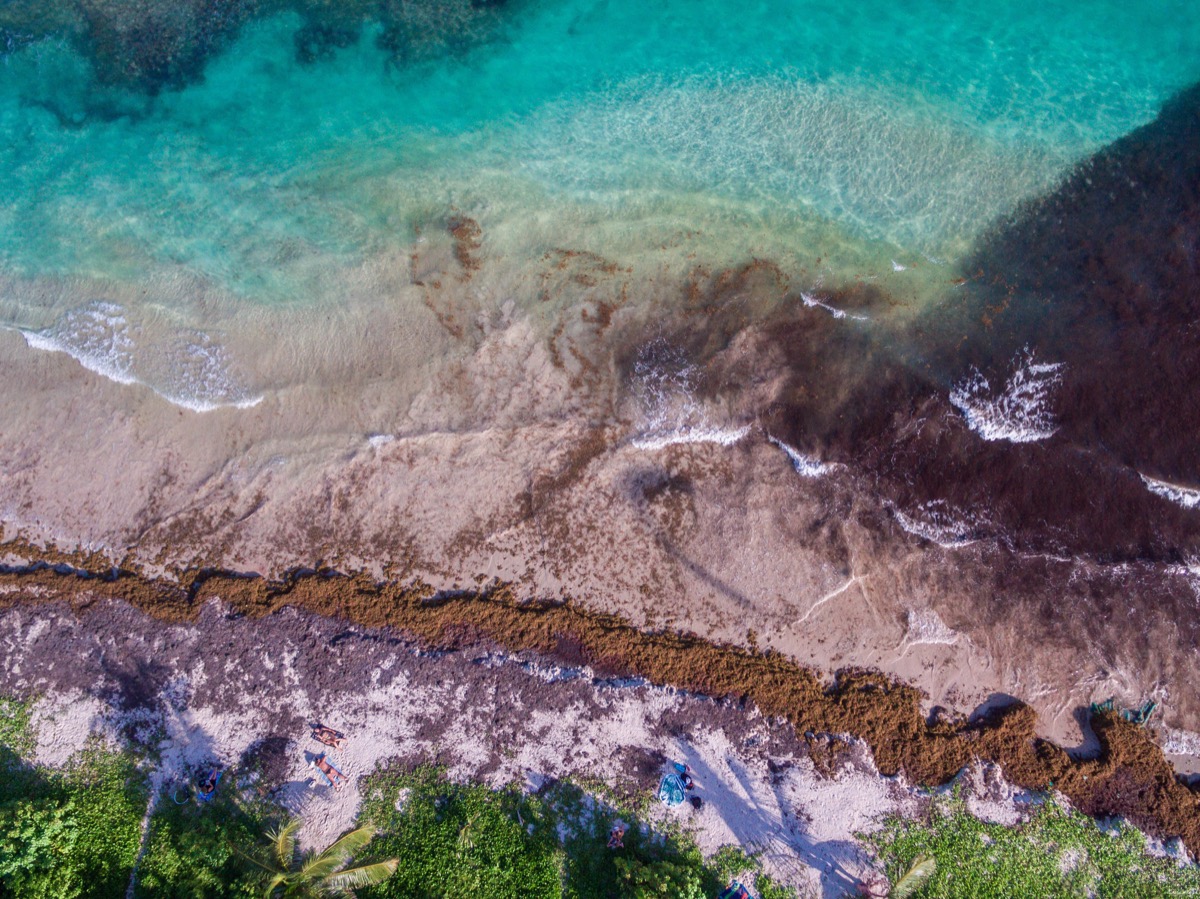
(1188, 497)
(813, 303)
(188, 370)
(703, 434)
(1021, 412)
(937, 522)
(806, 466)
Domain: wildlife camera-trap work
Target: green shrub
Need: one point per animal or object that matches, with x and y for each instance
(459, 840)
(1055, 854)
(72, 833)
(15, 732)
(658, 878)
(37, 838)
(190, 849)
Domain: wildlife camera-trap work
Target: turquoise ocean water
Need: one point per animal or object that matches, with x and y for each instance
(868, 136)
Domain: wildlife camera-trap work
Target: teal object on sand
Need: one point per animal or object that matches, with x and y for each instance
(670, 790)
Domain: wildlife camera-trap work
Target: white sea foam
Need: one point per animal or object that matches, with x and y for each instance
(1181, 742)
(813, 303)
(1188, 497)
(186, 368)
(926, 626)
(806, 466)
(195, 375)
(723, 436)
(1020, 413)
(97, 336)
(664, 384)
(937, 522)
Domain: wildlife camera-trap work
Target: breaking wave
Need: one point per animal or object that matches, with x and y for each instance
(806, 466)
(1020, 413)
(185, 368)
(937, 522)
(1188, 497)
(664, 383)
(813, 303)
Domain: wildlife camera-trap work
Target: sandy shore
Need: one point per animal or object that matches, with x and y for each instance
(219, 692)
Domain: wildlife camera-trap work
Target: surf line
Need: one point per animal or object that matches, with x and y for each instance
(36, 340)
(858, 578)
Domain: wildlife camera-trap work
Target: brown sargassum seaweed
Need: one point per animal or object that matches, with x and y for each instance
(1129, 776)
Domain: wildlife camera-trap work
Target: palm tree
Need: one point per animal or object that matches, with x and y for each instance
(319, 874)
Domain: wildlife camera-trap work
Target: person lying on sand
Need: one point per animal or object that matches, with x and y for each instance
(329, 736)
(335, 777)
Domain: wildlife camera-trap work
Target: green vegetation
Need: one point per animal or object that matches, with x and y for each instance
(190, 848)
(15, 735)
(73, 833)
(1056, 854)
(70, 834)
(455, 841)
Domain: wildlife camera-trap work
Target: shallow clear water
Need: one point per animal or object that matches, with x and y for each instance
(843, 142)
(911, 124)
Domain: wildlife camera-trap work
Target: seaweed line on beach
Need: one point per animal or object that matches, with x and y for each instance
(1128, 776)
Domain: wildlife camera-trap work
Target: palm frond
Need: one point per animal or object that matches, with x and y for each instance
(337, 854)
(258, 862)
(466, 833)
(366, 875)
(275, 883)
(283, 841)
(922, 868)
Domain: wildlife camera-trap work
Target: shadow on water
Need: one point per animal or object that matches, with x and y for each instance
(1104, 275)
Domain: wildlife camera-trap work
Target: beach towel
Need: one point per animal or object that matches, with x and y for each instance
(670, 790)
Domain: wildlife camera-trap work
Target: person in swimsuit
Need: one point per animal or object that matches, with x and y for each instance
(329, 736)
(335, 777)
